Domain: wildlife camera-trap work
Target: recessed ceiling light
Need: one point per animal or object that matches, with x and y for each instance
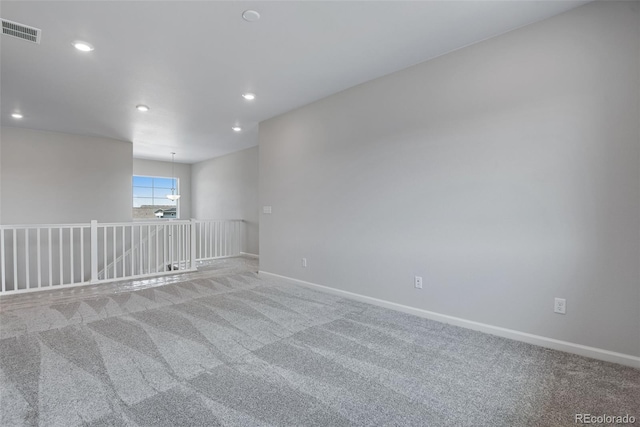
(249, 96)
(250, 15)
(16, 115)
(82, 46)
(236, 128)
(142, 108)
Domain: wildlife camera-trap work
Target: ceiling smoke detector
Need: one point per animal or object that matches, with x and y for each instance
(250, 15)
(21, 31)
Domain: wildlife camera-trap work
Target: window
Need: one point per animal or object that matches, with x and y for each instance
(150, 197)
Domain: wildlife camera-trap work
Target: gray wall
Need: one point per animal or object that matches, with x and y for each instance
(50, 177)
(227, 188)
(1, 175)
(506, 174)
(163, 169)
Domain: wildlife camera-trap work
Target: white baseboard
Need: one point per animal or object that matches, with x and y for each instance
(249, 255)
(568, 347)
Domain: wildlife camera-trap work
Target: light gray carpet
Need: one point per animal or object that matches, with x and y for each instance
(230, 348)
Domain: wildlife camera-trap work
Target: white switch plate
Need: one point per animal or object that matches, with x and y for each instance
(304, 262)
(417, 282)
(266, 209)
(560, 306)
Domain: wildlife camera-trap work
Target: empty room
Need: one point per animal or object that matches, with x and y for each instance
(320, 213)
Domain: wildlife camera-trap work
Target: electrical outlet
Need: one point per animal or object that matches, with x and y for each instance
(417, 282)
(560, 306)
(304, 262)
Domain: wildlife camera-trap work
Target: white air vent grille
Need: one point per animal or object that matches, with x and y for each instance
(21, 31)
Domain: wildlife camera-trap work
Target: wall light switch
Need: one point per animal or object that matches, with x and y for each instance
(266, 210)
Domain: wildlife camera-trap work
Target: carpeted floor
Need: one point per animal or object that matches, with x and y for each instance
(226, 347)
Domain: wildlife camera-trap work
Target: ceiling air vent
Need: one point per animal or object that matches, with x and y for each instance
(21, 31)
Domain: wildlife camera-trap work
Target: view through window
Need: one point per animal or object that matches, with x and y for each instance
(150, 197)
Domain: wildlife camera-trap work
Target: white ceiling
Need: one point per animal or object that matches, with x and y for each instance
(191, 61)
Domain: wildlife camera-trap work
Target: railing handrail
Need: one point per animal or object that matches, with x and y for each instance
(32, 226)
(160, 222)
(216, 219)
(111, 224)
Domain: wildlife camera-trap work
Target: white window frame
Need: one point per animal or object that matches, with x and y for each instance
(177, 180)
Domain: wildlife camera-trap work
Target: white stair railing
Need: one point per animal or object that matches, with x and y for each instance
(134, 251)
(39, 257)
(217, 238)
(143, 249)
(43, 255)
